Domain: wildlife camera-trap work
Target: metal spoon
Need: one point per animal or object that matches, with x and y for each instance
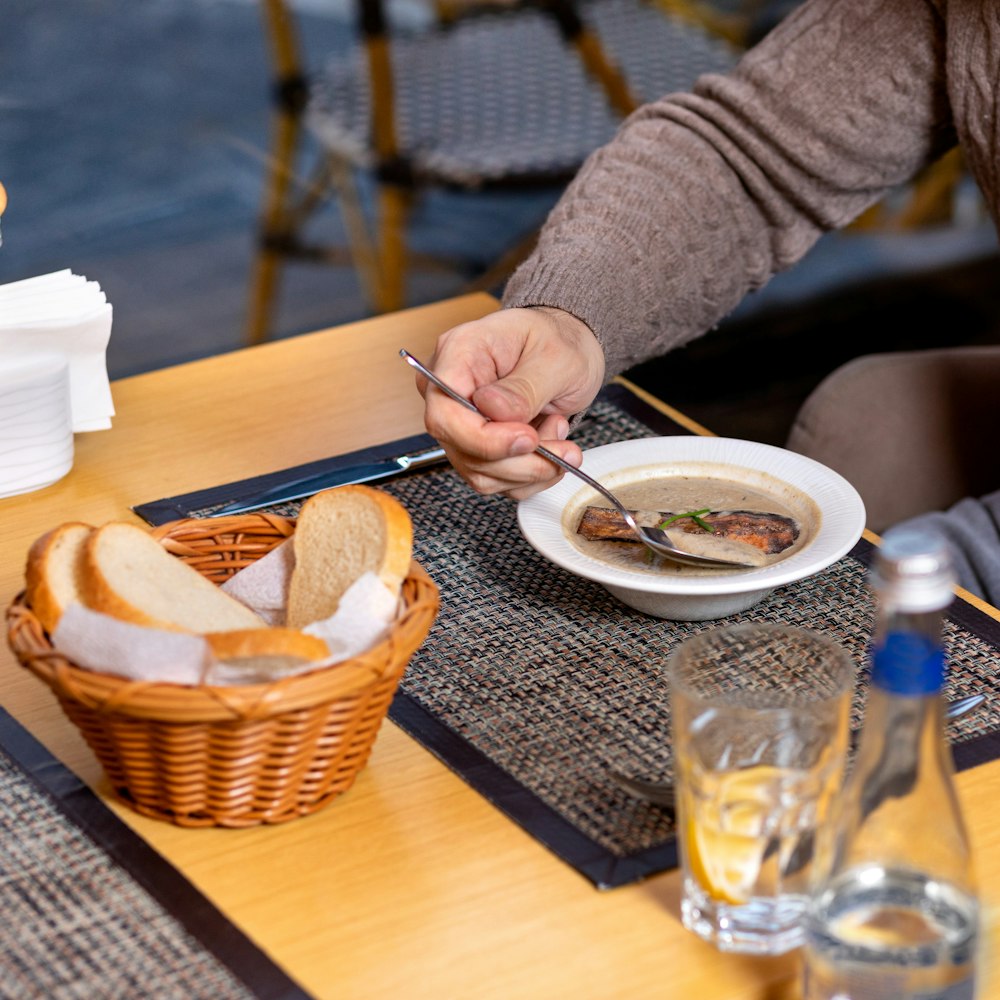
(661, 793)
(654, 538)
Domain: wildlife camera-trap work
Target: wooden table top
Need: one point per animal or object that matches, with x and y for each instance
(411, 884)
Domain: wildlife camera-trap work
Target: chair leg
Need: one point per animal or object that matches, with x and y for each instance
(360, 242)
(263, 295)
(933, 198)
(390, 284)
(273, 225)
(930, 199)
(610, 77)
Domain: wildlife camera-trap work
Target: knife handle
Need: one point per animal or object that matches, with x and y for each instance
(418, 459)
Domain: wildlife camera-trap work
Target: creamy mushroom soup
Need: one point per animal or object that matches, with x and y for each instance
(676, 492)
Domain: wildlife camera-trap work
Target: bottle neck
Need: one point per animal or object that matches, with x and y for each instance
(902, 744)
(902, 785)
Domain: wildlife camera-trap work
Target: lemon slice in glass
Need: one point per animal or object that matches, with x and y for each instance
(726, 849)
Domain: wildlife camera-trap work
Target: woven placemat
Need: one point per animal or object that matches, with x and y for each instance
(533, 683)
(89, 910)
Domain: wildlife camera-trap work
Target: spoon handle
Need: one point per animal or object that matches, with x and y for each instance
(446, 389)
(544, 452)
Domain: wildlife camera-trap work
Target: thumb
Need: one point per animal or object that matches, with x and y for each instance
(525, 392)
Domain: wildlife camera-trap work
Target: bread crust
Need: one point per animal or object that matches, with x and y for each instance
(53, 571)
(399, 539)
(277, 641)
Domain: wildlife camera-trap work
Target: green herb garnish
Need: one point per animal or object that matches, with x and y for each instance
(695, 516)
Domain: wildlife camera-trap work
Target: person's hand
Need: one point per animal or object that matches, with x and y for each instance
(528, 371)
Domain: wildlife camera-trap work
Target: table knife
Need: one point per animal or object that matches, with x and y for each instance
(306, 486)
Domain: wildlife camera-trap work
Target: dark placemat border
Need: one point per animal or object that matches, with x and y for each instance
(178, 897)
(596, 863)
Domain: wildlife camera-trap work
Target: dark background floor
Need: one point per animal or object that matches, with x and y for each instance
(132, 143)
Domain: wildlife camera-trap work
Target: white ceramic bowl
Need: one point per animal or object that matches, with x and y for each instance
(543, 517)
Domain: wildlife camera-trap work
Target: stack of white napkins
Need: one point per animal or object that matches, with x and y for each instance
(36, 426)
(62, 314)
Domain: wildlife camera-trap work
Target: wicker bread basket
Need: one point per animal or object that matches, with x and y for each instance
(231, 756)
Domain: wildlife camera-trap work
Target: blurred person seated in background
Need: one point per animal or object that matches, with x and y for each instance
(701, 198)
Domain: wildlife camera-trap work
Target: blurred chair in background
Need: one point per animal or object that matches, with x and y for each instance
(912, 431)
(487, 95)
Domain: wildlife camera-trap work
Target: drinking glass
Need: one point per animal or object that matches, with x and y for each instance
(760, 720)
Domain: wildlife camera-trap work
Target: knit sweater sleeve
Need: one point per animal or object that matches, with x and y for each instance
(703, 197)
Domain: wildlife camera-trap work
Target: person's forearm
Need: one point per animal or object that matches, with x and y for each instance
(703, 197)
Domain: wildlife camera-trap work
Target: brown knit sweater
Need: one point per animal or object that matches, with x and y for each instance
(703, 197)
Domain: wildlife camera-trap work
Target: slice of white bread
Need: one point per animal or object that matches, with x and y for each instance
(127, 574)
(341, 534)
(53, 572)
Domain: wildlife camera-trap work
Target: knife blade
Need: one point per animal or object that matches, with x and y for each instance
(306, 486)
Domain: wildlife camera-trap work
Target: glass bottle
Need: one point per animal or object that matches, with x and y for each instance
(894, 912)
